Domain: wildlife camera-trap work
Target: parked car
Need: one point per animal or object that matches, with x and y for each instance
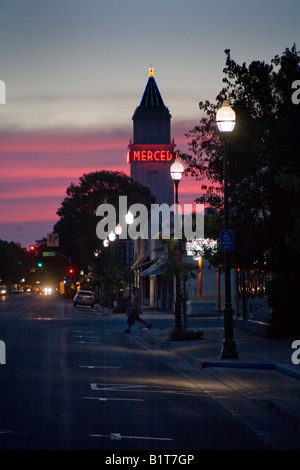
(84, 297)
(16, 289)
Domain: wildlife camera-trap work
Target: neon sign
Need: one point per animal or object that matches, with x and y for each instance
(150, 156)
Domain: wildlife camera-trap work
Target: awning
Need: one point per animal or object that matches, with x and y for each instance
(141, 262)
(155, 269)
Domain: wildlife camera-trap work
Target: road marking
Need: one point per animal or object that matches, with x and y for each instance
(115, 436)
(101, 367)
(116, 387)
(91, 332)
(87, 342)
(140, 388)
(87, 337)
(112, 399)
(4, 431)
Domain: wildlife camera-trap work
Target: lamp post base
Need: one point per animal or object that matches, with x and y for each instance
(229, 350)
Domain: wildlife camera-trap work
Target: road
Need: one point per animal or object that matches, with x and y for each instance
(74, 380)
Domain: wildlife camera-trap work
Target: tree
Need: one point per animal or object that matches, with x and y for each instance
(77, 225)
(264, 177)
(14, 263)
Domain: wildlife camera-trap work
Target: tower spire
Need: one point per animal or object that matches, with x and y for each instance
(152, 97)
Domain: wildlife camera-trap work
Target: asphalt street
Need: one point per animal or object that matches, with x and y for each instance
(73, 380)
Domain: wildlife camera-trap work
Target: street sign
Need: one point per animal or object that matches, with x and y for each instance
(227, 240)
(52, 239)
(48, 253)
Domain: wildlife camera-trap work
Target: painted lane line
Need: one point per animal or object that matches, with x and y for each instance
(81, 331)
(101, 367)
(87, 337)
(115, 436)
(141, 388)
(116, 387)
(87, 342)
(112, 399)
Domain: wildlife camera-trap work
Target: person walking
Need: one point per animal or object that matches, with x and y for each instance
(135, 311)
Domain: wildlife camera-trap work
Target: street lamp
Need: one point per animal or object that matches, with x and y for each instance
(225, 119)
(129, 218)
(118, 229)
(176, 170)
(112, 236)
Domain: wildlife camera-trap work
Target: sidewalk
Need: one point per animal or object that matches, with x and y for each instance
(263, 374)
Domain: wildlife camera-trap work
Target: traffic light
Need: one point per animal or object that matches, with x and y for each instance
(71, 271)
(40, 264)
(32, 248)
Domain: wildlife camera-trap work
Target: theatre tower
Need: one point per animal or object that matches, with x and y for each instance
(151, 151)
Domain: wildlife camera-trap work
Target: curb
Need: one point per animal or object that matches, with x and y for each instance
(239, 365)
(279, 410)
(284, 369)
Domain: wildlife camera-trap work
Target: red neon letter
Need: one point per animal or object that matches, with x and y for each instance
(150, 156)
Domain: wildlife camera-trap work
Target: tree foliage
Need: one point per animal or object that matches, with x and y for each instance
(77, 225)
(264, 176)
(14, 263)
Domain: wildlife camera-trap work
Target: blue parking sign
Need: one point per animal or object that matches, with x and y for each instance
(227, 240)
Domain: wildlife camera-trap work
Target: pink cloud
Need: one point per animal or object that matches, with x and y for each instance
(61, 141)
(34, 212)
(62, 172)
(37, 167)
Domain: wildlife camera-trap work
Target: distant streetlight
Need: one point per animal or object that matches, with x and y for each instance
(112, 236)
(225, 120)
(176, 170)
(129, 218)
(118, 229)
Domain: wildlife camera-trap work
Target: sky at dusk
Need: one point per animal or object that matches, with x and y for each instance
(75, 71)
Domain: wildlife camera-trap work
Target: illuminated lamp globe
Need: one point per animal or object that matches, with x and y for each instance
(105, 243)
(129, 218)
(112, 236)
(118, 229)
(176, 170)
(225, 117)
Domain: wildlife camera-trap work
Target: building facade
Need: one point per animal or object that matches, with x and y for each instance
(151, 152)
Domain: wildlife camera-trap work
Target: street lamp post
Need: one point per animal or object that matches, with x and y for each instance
(176, 170)
(226, 121)
(114, 236)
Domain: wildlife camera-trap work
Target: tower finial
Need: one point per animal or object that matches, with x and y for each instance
(151, 72)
